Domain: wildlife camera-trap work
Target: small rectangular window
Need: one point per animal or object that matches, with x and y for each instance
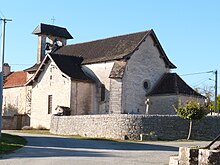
(49, 104)
(102, 92)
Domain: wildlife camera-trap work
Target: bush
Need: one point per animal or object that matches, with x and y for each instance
(40, 127)
(27, 128)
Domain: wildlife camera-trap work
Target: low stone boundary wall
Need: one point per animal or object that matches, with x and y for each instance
(15, 122)
(128, 126)
(196, 156)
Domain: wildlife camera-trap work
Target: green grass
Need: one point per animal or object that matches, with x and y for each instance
(47, 132)
(10, 143)
(34, 131)
(93, 138)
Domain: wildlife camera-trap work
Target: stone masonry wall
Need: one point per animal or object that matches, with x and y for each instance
(158, 104)
(15, 122)
(127, 126)
(81, 98)
(145, 65)
(115, 102)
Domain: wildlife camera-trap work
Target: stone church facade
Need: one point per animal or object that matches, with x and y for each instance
(117, 75)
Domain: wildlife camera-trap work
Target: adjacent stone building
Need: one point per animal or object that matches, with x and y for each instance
(54, 84)
(16, 95)
(170, 89)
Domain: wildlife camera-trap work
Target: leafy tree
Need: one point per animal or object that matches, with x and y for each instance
(191, 111)
(218, 103)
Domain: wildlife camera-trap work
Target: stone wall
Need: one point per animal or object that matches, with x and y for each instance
(127, 126)
(145, 65)
(15, 122)
(82, 95)
(159, 104)
(115, 102)
(163, 104)
(100, 73)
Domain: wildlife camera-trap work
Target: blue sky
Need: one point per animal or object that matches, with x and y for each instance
(189, 31)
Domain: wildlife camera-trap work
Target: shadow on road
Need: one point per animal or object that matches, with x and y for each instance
(61, 142)
(49, 146)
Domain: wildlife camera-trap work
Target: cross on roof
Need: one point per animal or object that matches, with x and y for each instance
(53, 19)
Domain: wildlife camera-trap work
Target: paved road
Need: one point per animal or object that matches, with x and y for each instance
(56, 150)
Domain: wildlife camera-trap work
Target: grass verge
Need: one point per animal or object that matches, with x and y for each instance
(34, 131)
(10, 143)
(47, 132)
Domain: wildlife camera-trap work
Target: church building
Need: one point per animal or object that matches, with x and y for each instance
(126, 74)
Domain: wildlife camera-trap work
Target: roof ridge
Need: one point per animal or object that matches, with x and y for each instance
(52, 25)
(58, 54)
(142, 40)
(145, 31)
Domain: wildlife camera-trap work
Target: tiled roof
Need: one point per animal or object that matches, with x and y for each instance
(171, 83)
(118, 69)
(52, 30)
(71, 66)
(113, 48)
(15, 79)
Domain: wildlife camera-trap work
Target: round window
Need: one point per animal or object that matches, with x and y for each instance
(146, 84)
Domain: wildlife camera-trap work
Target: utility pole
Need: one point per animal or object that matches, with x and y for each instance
(4, 21)
(216, 87)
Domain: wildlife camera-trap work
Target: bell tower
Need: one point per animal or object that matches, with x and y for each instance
(50, 37)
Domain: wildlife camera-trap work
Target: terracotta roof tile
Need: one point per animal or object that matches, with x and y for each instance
(15, 79)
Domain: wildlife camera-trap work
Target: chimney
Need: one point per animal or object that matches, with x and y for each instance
(6, 69)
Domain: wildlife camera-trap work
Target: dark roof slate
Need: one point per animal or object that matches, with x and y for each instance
(32, 68)
(118, 69)
(108, 49)
(171, 83)
(71, 66)
(52, 30)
